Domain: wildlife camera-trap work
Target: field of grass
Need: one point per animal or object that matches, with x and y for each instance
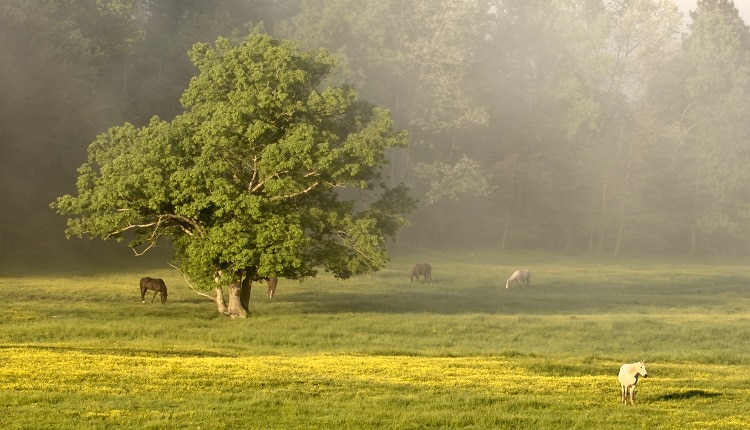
(79, 350)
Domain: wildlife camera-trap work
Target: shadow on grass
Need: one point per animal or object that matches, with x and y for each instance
(486, 295)
(689, 394)
(447, 300)
(124, 351)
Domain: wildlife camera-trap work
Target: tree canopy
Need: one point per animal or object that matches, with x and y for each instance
(603, 126)
(264, 174)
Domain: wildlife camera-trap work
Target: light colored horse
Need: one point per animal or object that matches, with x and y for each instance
(628, 377)
(520, 276)
(272, 282)
(420, 269)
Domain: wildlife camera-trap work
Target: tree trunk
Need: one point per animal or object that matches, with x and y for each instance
(235, 308)
(247, 285)
(603, 220)
(621, 224)
(221, 305)
(694, 223)
(513, 199)
(506, 226)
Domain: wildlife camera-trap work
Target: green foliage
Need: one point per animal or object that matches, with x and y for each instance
(54, 60)
(249, 177)
(577, 111)
(467, 176)
(709, 87)
(415, 56)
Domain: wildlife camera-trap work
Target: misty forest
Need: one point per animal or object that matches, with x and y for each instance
(608, 127)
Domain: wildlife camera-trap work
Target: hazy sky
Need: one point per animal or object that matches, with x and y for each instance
(742, 5)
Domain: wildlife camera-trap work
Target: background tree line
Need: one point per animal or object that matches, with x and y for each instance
(578, 126)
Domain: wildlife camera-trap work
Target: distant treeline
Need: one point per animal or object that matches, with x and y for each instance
(602, 126)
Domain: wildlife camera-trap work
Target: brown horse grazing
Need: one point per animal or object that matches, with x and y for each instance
(421, 269)
(156, 285)
(272, 282)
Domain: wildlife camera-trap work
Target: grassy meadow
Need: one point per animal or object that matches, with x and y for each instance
(79, 350)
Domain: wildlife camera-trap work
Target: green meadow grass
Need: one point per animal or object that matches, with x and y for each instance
(79, 350)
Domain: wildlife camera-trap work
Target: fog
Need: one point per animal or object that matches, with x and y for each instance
(686, 6)
(609, 128)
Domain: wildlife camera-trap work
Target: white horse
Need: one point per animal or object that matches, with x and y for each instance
(520, 276)
(628, 377)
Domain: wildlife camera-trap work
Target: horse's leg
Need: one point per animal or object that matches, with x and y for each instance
(155, 293)
(272, 282)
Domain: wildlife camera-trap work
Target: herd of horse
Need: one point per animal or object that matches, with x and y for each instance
(521, 277)
(628, 376)
(158, 286)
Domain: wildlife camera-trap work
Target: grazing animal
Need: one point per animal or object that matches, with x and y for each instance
(421, 269)
(519, 277)
(272, 282)
(156, 285)
(628, 377)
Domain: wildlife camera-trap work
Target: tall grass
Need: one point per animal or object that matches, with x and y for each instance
(81, 351)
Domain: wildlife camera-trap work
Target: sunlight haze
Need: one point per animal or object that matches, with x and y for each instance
(686, 6)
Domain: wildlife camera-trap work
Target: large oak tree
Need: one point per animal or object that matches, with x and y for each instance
(264, 174)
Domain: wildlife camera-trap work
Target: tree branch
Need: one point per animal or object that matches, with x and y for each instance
(190, 285)
(341, 235)
(289, 196)
(150, 245)
(180, 221)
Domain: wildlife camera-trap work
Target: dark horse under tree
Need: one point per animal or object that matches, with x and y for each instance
(156, 285)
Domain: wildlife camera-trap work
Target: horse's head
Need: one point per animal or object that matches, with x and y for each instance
(640, 367)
